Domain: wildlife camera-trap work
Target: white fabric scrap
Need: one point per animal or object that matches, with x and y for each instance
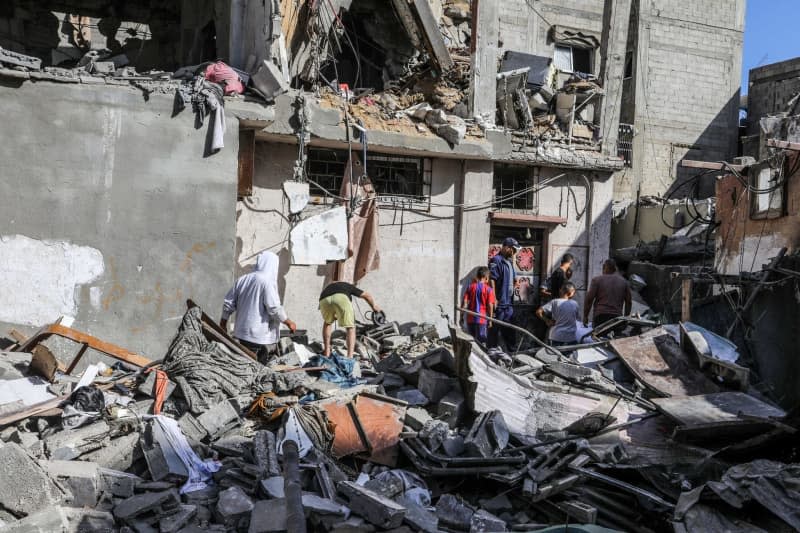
(200, 471)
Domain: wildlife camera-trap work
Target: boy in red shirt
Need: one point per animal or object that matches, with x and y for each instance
(479, 298)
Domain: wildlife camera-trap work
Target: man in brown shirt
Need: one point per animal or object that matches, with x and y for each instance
(607, 292)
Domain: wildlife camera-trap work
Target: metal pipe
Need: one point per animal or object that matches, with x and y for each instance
(295, 517)
(514, 327)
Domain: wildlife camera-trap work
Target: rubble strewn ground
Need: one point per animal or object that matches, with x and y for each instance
(418, 434)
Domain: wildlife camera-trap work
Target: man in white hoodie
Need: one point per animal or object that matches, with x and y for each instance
(259, 313)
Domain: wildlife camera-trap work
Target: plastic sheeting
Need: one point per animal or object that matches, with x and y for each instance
(200, 471)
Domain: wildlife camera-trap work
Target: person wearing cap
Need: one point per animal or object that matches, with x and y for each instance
(504, 280)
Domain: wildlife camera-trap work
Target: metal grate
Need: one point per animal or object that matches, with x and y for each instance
(510, 184)
(392, 176)
(625, 143)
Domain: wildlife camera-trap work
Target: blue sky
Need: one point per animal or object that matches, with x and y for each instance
(770, 34)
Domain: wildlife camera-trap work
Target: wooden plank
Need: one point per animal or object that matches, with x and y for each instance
(33, 410)
(247, 154)
(107, 348)
(709, 165)
(775, 143)
(657, 360)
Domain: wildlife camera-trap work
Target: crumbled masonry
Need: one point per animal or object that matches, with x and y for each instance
(552, 441)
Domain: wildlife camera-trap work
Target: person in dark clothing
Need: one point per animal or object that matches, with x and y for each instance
(559, 276)
(335, 304)
(504, 282)
(610, 295)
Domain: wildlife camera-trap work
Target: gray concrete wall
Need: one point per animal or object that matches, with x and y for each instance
(687, 66)
(770, 89)
(111, 214)
(417, 249)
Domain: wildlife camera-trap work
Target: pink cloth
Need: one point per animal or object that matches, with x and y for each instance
(221, 73)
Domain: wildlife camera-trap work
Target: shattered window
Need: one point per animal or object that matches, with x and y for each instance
(573, 59)
(392, 176)
(562, 58)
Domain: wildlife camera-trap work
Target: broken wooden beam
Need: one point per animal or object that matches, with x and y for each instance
(710, 165)
(786, 145)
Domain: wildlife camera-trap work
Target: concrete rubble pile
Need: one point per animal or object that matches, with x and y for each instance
(644, 428)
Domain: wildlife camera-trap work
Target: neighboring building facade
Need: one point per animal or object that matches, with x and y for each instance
(443, 205)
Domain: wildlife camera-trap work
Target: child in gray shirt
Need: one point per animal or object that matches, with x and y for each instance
(561, 315)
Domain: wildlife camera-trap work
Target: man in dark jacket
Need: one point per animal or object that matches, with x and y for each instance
(504, 282)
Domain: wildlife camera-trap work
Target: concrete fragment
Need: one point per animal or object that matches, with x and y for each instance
(354, 524)
(163, 460)
(419, 111)
(497, 504)
(453, 131)
(418, 517)
(487, 436)
(62, 519)
(411, 396)
(119, 484)
(148, 508)
(22, 60)
(395, 341)
(298, 194)
(484, 521)
(80, 477)
(433, 433)
(219, 419)
(191, 428)
(272, 487)
(452, 408)
(71, 444)
(118, 454)
(174, 522)
(103, 67)
(416, 418)
(375, 508)
(24, 486)
(435, 385)
(233, 508)
(26, 439)
(452, 512)
(265, 453)
(268, 516)
(269, 80)
(435, 117)
(385, 485)
(316, 504)
(392, 381)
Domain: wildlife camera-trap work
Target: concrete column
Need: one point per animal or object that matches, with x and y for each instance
(599, 221)
(616, 17)
(485, 33)
(473, 224)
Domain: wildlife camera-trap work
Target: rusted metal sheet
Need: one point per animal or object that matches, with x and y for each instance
(368, 426)
(719, 415)
(657, 360)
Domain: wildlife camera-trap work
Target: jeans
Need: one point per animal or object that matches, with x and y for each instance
(264, 352)
(479, 331)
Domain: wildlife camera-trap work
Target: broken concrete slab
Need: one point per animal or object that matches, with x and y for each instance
(80, 477)
(21, 60)
(269, 81)
(219, 419)
(119, 484)
(24, 486)
(487, 436)
(416, 418)
(273, 487)
(298, 195)
(418, 517)
(71, 444)
(117, 454)
(268, 516)
(435, 385)
(453, 131)
(174, 522)
(148, 508)
(377, 509)
(265, 453)
(316, 504)
(191, 428)
(411, 396)
(452, 408)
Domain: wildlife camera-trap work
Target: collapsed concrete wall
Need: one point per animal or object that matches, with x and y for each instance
(111, 210)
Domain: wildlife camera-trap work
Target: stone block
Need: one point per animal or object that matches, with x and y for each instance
(441, 360)
(118, 454)
(453, 131)
(375, 508)
(435, 385)
(24, 486)
(191, 428)
(395, 341)
(233, 508)
(119, 484)
(484, 521)
(488, 435)
(392, 381)
(453, 445)
(452, 512)
(273, 487)
(26, 439)
(268, 516)
(452, 408)
(265, 453)
(433, 433)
